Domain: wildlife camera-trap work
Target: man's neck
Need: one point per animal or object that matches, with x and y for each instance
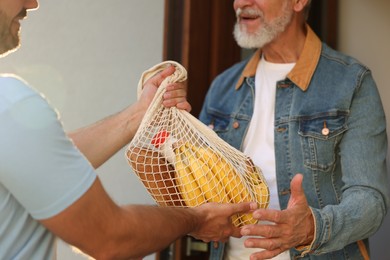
(287, 47)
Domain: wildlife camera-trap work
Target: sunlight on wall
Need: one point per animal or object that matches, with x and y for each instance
(87, 57)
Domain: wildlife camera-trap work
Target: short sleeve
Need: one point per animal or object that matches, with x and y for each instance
(39, 164)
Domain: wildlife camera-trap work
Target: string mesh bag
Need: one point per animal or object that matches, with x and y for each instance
(184, 163)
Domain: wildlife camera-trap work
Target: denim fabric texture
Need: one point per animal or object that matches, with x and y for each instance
(344, 168)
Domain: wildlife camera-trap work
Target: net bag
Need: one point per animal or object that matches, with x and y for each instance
(184, 163)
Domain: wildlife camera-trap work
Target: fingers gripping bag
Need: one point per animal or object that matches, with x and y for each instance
(184, 163)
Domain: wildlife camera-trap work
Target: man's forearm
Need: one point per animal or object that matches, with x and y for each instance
(101, 140)
(101, 229)
(153, 228)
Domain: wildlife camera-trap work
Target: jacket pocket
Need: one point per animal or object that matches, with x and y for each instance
(219, 122)
(320, 136)
(230, 128)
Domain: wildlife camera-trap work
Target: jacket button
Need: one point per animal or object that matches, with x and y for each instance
(236, 125)
(325, 130)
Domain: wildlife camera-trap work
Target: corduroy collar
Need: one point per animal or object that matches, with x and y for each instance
(304, 68)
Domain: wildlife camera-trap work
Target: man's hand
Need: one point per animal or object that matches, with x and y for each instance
(291, 227)
(99, 141)
(175, 95)
(215, 220)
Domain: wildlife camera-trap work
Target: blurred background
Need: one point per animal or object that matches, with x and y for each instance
(87, 57)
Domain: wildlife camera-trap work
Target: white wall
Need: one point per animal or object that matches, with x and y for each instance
(365, 34)
(87, 57)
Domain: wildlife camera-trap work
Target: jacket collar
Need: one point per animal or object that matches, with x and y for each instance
(303, 70)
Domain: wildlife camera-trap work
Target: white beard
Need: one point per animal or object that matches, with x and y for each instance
(265, 34)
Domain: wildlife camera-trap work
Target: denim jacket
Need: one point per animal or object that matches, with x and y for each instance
(330, 126)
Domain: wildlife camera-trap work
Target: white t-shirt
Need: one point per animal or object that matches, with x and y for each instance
(41, 171)
(259, 143)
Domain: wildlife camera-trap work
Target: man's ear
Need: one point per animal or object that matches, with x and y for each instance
(299, 5)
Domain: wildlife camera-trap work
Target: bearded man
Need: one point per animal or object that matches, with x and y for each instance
(311, 118)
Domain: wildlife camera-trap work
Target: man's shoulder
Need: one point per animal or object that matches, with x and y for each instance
(11, 79)
(14, 88)
(339, 57)
(233, 72)
(238, 67)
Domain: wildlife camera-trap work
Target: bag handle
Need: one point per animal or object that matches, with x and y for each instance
(179, 75)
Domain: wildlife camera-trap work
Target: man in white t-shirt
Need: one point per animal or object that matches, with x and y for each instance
(48, 184)
(312, 120)
(258, 143)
